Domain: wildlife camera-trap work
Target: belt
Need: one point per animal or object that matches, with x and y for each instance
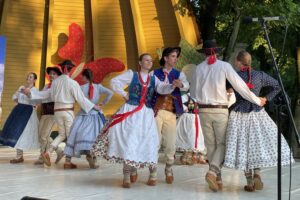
(63, 109)
(213, 106)
(164, 102)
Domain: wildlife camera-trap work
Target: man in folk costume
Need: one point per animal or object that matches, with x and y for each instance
(47, 120)
(208, 87)
(64, 92)
(167, 107)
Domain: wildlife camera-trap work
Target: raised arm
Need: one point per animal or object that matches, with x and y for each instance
(240, 86)
(15, 95)
(39, 95)
(270, 81)
(108, 93)
(119, 82)
(78, 95)
(184, 81)
(162, 87)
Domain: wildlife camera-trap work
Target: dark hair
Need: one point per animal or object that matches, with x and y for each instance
(34, 75)
(242, 57)
(56, 69)
(143, 55)
(66, 64)
(166, 52)
(88, 74)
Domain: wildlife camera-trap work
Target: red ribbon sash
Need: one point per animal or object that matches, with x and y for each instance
(117, 118)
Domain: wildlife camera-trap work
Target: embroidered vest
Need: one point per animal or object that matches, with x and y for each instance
(174, 74)
(135, 91)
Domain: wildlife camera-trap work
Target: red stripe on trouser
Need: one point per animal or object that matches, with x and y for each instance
(197, 130)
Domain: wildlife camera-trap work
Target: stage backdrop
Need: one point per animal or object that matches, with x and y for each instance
(121, 29)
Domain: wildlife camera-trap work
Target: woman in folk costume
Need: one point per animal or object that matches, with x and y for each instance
(131, 136)
(251, 134)
(87, 126)
(20, 130)
(189, 132)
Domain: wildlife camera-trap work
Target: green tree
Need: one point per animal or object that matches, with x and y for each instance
(222, 20)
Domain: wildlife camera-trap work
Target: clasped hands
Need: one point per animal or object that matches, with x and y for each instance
(263, 101)
(177, 83)
(25, 91)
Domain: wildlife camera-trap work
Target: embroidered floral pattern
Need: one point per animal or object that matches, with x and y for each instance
(135, 91)
(100, 148)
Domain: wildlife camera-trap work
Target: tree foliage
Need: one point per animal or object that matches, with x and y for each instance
(221, 20)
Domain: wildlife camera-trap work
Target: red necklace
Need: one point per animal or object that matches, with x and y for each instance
(141, 80)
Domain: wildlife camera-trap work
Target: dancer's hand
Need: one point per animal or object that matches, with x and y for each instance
(263, 101)
(230, 90)
(26, 91)
(177, 83)
(126, 98)
(96, 107)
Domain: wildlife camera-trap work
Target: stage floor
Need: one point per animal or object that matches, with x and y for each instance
(56, 183)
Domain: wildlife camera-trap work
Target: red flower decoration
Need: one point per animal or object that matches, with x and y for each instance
(100, 68)
(73, 49)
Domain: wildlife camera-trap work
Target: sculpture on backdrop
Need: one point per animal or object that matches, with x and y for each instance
(73, 50)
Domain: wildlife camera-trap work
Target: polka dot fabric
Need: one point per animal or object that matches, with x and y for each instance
(251, 141)
(251, 137)
(259, 80)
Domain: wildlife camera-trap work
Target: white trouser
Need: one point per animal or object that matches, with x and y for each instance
(64, 120)
(45, 127)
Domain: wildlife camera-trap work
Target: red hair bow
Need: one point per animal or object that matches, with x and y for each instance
(249, 69)
(91, 91)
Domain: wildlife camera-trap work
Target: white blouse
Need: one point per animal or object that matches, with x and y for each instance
(22, 98)
(119, 83)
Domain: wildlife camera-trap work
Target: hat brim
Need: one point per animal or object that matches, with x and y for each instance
(178, 49)
(207, 50)
(53, 69)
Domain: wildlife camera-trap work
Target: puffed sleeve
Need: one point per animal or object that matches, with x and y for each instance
(162, 87)
(119, 82)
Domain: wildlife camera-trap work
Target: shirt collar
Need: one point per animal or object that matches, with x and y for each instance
(166, 70)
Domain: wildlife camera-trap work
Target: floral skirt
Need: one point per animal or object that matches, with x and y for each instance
(133, 141)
